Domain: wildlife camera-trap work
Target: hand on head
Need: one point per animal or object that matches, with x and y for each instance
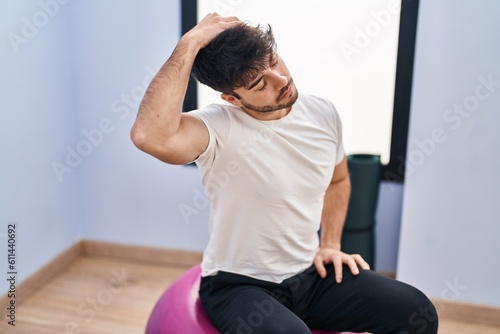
(210, 26)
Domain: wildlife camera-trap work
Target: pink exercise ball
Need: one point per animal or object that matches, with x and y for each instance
(178, 311)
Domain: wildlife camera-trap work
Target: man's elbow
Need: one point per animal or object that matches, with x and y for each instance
(139, 138)
(149, 144)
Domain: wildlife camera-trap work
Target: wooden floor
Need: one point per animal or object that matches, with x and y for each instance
(98, 295)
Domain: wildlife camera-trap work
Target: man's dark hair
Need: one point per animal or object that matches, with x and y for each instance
(235, 57)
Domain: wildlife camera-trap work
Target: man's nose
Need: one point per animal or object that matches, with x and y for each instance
(279, 80)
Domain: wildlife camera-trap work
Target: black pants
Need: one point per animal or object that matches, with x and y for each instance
(368, 302)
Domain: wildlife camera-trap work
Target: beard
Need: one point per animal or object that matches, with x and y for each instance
(280, 104)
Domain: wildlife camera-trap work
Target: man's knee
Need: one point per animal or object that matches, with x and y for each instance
(423, 317)
(406, 310)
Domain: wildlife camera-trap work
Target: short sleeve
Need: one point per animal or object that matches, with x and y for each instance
(336, 124)
(340, 144)
(216, 119)
(208, 156)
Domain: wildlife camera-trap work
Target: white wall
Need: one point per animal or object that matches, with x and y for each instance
(354, 58)
(451, 213)
(387, 226)
(129, 197)
(37, 121)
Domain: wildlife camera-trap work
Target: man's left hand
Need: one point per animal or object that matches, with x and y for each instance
(338, 258)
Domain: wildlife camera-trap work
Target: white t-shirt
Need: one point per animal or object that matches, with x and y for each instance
(266, 182)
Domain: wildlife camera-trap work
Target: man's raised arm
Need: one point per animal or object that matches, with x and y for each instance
(161, 129)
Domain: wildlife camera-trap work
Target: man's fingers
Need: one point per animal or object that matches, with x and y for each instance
(210, 26)
(320, 267)
(351, 263)
(214, 18)
(361, 262)
(338, 259)
(233, 18)
(337, 265)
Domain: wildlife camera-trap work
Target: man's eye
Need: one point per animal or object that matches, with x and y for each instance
(274, 64)
(263, 87)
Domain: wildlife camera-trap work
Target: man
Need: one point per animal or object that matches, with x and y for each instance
(275, 171)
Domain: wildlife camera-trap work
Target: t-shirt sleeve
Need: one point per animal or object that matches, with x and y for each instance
(208, 155)
(214, 118)
(340, 144)
(337, 130)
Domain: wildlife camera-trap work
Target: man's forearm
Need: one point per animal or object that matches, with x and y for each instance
(161, 129)
(334, 213)
(159, 117)
(160, 111)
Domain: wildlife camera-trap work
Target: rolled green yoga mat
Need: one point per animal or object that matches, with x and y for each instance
(362, 243)
(358, 236)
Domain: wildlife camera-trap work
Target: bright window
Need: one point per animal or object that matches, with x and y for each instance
(343, 50)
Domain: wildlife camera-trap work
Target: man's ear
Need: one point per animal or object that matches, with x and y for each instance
(231, 99)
